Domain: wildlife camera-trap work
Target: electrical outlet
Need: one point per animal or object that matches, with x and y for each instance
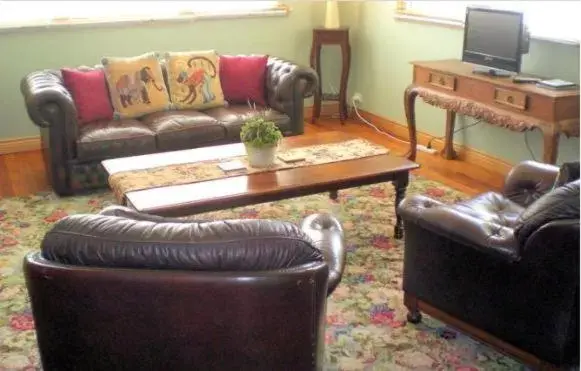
(425, 149)
(357, 98)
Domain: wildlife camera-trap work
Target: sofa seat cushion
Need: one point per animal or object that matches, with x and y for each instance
(116, 138)
(233, 117)
(175, 130)
(493, 208)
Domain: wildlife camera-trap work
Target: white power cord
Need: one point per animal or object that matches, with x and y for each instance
(354, 103)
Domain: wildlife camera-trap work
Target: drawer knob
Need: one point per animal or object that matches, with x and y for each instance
(510, 99)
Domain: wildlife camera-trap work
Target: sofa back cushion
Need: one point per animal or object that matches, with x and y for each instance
(136, 85)
(230, 245)
(560, 203)
(244, 78)
(88, 88)
(194, 79)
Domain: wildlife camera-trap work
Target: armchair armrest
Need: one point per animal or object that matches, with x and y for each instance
(43, 88)
(448, 222)
(528, 181)
(287, 85)
(327, 235)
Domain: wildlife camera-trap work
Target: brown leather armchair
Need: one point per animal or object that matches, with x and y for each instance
(503, 268)
(128, 291)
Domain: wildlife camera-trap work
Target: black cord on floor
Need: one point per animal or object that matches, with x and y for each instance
(529, 146)
(429, 145)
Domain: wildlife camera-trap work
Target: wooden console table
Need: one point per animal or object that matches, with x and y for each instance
(330, 36)
(451, 85)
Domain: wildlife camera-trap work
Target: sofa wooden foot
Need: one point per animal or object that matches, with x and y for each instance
(411, 302)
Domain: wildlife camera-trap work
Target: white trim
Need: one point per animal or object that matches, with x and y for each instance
(460, 24)
(280, 11)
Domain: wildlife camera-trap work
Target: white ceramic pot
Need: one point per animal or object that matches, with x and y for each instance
(261, 157)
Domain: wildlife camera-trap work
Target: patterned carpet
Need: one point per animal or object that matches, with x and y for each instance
(366, 327)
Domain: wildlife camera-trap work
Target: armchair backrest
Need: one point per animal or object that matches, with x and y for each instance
(550, 225)
(113, 293)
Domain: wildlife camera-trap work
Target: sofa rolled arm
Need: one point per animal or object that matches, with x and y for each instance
(529, 180)
(327, 234)
(43, 88)
(285, 76)
(448, 222)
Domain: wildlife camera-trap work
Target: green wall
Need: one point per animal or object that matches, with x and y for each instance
(383, 47)
(27, 51)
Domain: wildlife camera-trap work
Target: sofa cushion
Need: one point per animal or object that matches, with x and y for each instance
(243, 78)
(117, 138)
(233, 118)
(136, 85)
(194, 79)
(90, 94)
(184, 129)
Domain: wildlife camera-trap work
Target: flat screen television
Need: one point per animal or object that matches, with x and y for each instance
(494, 39)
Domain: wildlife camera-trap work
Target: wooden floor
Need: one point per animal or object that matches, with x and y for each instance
(23, 173)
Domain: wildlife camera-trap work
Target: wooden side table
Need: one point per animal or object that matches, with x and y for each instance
(329, 36)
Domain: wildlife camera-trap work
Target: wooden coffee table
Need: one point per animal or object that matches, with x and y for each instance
(223, 193)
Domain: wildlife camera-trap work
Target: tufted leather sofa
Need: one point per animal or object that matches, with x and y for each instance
(73, 153)
(127, 291)
(502, 267)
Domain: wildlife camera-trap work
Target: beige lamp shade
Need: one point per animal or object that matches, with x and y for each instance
(332, 14)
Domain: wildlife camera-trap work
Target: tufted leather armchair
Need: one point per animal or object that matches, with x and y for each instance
(127, 291)
(73, 153)
(502, 267)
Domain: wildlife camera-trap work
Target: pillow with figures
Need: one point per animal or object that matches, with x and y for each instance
(194, 79)
(136, 85)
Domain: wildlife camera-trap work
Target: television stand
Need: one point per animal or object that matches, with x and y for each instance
(482, 70)
(452, 85)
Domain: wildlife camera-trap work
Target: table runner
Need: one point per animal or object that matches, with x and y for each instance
(134, 180)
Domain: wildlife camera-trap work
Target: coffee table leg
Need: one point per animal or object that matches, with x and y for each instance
(400, 184)
(333, 195)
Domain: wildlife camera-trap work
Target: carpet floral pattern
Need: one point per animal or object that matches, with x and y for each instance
(366, 326)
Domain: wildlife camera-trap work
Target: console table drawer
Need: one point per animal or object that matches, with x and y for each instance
(442, 80)
(510, 98)
(435, 79)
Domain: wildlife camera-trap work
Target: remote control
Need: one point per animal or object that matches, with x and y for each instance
(525, 80)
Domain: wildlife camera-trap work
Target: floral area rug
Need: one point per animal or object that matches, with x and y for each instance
(366, 326)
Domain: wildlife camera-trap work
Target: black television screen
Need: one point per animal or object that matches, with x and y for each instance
(492, 38)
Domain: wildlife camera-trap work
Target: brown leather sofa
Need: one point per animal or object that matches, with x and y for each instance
(502, 267)
(129, 291)
(73, 154)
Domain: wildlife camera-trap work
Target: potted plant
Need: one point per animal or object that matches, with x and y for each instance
(260, 137)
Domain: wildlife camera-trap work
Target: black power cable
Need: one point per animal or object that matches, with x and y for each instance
(429, 145)
(529, 146)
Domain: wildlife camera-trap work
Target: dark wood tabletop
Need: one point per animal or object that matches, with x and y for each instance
(189, 199)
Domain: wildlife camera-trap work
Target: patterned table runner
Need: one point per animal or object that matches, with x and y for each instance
(135, 180)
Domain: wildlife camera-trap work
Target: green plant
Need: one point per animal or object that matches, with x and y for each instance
(258, 132)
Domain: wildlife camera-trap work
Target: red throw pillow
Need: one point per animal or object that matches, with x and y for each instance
(90, 93)
(243, 78)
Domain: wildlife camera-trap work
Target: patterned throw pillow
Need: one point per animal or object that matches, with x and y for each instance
(136, 85)
(194, 79)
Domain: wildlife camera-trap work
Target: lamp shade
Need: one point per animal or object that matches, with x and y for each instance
(332, 14)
